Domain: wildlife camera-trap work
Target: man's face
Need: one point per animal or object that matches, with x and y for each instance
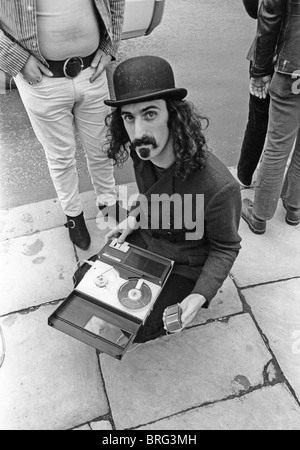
(146, 124)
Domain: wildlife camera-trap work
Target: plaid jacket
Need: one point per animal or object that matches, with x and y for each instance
(18, 31)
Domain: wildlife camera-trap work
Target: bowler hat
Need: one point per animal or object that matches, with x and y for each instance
(251, 7)
(144, 78)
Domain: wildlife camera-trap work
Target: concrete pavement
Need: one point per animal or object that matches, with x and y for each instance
(236, 367)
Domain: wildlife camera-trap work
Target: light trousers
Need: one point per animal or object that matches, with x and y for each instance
(56, 106)
(283, 136)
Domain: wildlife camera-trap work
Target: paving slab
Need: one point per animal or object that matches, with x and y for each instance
(83, 428)
(276, 308)
(227, 302)
(269, 408)
(102, 425)
(98, 228)
(48, 380)
(31, 218)
(40, 216)
(35, 269)
(272, 256)
(202, 364)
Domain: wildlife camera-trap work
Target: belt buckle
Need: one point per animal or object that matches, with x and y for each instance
(75, 67)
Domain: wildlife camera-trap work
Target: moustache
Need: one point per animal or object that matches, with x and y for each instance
(147, 140)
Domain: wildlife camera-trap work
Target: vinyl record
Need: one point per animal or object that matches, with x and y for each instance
(133, 298)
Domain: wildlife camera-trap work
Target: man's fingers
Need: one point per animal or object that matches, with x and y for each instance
(97, 73)
(118, 232)
(96, 59)
(187, 317)
(34, 69)
(112, 234)
(259, 87)
(256, 92)
(96, 65)
(123, 236)
(99, 63)
(45, 70)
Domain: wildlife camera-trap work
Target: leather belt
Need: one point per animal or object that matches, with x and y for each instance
(70, 67)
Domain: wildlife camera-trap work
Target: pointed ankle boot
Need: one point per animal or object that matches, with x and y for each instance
(78, 231)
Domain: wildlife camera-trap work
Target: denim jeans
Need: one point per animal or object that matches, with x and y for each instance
(282, 136)
(54, 107)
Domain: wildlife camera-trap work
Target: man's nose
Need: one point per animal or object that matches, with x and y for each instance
(139, 130)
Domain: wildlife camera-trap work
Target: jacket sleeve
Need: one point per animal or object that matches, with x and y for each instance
(12, 56)
(270, 19)
(222, 218)
(111, 46)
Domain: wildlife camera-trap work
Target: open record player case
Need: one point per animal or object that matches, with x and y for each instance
(112, 298)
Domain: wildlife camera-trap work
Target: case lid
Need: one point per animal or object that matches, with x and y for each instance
(95, 325)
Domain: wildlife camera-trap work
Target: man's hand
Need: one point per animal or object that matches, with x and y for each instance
(259, 87)
(190, 306)
(34, 70)
(123, 230)
(99, 63)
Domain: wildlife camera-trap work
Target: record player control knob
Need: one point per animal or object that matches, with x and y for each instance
(134, 294)
(101, 281)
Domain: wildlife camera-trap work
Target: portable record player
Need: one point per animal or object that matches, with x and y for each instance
(113, 297)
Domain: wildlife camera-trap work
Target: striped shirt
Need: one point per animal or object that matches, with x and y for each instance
(18, 31)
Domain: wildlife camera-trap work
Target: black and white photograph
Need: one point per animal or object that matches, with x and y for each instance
(149, 217)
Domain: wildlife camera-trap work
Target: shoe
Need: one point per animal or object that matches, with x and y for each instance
(116, 211)
(78, 231)
(292, 216)
(256, 225)
(246, 183)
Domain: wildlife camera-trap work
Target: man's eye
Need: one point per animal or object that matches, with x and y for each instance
(151, 115)
(128, 118)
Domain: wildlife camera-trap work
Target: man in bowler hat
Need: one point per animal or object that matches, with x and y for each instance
(163, 134)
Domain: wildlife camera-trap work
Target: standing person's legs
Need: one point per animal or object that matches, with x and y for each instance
(284, 122)
(291, 188)
(254, 138)
(49, 105)
(90, 113)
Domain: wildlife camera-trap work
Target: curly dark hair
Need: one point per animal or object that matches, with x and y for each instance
(186, 127)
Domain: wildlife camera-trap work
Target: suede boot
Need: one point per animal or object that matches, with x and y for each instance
(78, 231)
(292, 216)
(256, 225)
